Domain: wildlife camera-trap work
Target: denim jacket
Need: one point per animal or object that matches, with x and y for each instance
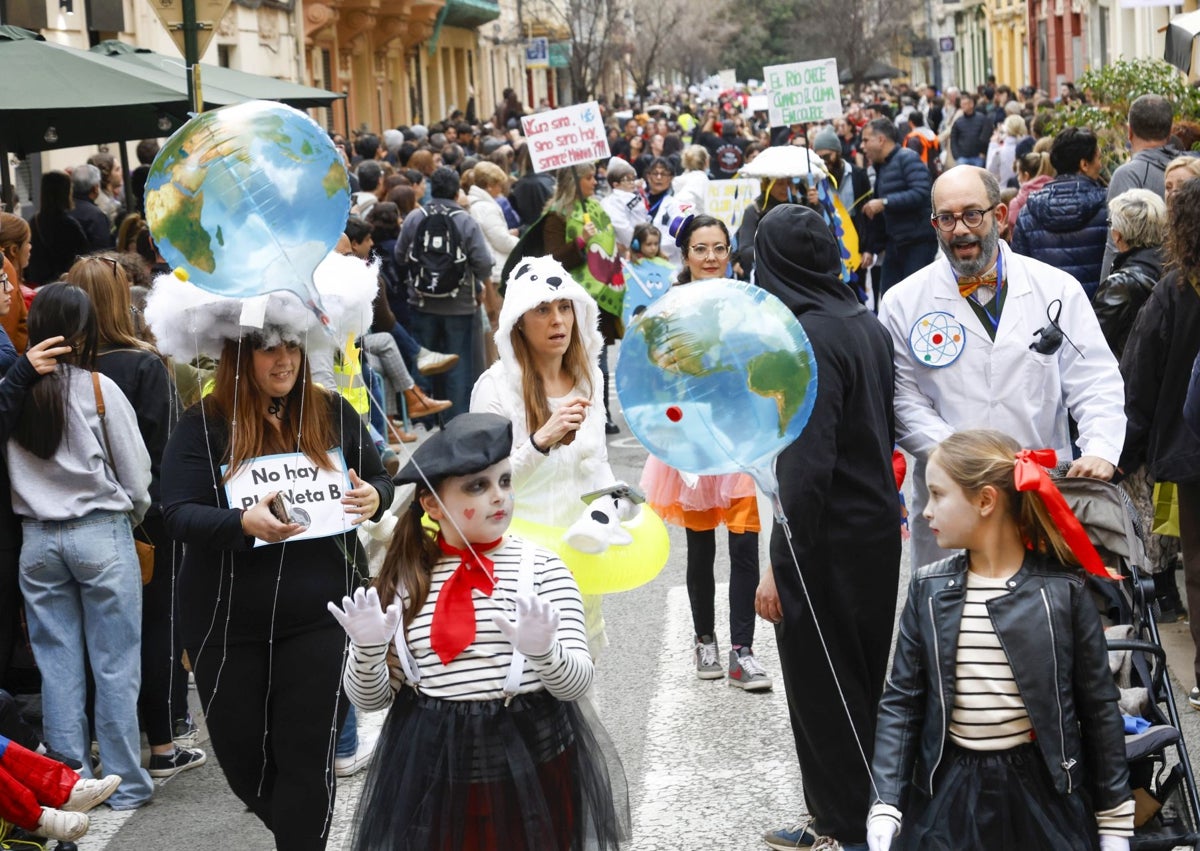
(1049, 627)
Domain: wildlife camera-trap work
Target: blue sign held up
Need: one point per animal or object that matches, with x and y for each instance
(537, 53)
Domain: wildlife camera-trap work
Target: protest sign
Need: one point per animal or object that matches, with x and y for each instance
(567, 136)
(312, 495)
(727, 78)
(728, 199)
(803, 91)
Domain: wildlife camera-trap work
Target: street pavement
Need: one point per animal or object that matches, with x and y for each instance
(709, 768)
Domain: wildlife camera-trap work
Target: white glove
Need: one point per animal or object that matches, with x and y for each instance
(536, 628)
(627, 509)
(364, 619)
(1113, 843)
(881, 830)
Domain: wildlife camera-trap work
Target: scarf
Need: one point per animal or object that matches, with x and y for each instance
(453, 627)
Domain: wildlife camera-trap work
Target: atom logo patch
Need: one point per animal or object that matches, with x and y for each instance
(937, 339)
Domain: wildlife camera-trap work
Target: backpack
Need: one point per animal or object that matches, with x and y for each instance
(930, 151)
(437, 264)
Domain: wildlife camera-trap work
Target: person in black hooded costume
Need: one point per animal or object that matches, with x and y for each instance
(838, 493)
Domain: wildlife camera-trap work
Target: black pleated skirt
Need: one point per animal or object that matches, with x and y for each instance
(997, 801)
(535, 775)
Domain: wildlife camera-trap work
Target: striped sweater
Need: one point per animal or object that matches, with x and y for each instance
(478, 673)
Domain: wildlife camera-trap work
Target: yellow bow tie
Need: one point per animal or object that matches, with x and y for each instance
(967, 284)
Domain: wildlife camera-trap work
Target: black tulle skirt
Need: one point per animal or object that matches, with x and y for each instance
(996, 801)
(536, 775)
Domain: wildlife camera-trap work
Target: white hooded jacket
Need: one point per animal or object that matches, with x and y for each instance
(547, 487)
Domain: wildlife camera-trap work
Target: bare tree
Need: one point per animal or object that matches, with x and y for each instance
(654, 24)
(857, 33)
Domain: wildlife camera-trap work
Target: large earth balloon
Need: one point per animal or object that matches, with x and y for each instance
(717, 377)
(249, 199)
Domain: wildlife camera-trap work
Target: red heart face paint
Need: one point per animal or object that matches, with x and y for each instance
(478, 505)
(469, 513)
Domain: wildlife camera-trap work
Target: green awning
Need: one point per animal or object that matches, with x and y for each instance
(469, 14)
(560, 54)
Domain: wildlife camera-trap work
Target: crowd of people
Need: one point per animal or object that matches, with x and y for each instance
(1010, 307)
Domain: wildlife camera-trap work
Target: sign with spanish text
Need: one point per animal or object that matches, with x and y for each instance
(802, 92)
(728, 199)
(312, 495)
(567, 136)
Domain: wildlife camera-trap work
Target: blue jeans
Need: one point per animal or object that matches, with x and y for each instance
(83, 594)
(456, 335)
(409, 348)
(969, 161)
(347, 743)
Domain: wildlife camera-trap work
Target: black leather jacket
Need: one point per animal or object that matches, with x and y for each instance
(1050, 629)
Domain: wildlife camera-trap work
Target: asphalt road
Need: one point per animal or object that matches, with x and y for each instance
(709, 767)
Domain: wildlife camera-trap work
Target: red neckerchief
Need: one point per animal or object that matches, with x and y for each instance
(1030, 475)
(453, 626)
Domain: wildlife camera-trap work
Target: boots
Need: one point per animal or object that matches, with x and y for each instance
(420, 405)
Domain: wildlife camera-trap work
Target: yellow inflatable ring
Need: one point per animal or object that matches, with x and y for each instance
(619, 568)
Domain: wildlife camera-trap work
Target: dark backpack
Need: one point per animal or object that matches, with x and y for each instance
(437, 264)
(930, 150)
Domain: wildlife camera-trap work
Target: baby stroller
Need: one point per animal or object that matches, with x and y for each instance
(1168, 810)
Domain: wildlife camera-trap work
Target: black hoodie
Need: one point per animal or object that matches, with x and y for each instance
(836, 481)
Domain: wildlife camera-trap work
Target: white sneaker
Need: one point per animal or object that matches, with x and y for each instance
(344, 766)
(598, 529)
(434, 363)
(61, 825)
(91, 793)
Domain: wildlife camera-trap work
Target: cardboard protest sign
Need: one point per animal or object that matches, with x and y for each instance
(564, 137)
(313, 496)
(728, 199)
(803, 91)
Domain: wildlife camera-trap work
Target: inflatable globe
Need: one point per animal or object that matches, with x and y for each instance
(248, 199)
(717, 377)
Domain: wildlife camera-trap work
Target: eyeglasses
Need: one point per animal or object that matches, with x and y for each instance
(112, 262)
(629, 178)
(659, 172)
(718, 251)
(971, 218)
(5, 283)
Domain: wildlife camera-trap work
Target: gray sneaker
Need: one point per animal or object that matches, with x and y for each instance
(708, 658)
(745, 672)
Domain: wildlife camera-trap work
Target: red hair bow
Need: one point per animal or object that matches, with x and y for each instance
(1030, 475)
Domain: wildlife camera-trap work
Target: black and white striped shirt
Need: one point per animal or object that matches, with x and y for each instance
(478, 673)
(988, 713)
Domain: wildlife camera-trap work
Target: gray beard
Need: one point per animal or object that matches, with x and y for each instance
(987, 256)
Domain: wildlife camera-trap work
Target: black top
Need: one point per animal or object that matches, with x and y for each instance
(230, 591)
(95, 224)
(1156, 366)
(835, 481)
(146, 383)
(57, 241)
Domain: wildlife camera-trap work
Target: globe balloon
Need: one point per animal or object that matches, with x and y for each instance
(717, 377)
(249, 199)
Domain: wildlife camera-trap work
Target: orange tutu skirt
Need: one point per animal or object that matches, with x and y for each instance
(728, 500)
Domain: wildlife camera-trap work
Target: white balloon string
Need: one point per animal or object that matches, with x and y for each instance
(787, 534)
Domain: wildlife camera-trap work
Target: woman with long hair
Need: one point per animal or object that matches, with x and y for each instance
(266, 654)
(1156, 364)
(142, 375)
(56, 237)
(709, 502)
(547, 382)
(578, 234)
(79, 477)
(15, 248)
(1033, 172)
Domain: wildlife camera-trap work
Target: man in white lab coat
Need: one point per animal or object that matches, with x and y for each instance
(987, 338)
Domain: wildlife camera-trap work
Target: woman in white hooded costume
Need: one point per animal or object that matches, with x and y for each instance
(548, 383)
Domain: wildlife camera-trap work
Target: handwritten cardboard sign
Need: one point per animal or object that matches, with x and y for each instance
(565, 137)
(313, 496)
(728, 199)
(803, 91)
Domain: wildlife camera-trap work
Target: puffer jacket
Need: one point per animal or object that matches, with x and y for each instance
(1050, 629)
(1122, 294)
(1065, 224)
(904, 182)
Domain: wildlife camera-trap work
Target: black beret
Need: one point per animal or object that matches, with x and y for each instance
(467, 444)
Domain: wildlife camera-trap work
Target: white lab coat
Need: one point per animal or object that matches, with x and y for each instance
(1003, 384)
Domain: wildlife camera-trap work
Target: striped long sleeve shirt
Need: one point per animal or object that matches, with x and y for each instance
(479, 672)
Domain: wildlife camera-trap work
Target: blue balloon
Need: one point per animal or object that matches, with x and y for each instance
(248, 199)
(717, 377)
(645, 282)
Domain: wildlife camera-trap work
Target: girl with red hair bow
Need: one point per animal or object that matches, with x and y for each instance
(999, 726)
